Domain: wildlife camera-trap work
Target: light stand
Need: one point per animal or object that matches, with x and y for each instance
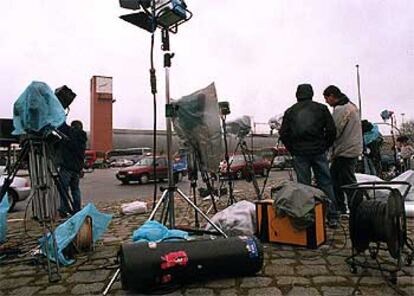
(149, 22)
(168, 194)
(224, 111)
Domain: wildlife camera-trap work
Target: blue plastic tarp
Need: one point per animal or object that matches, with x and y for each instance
(36, 108)
(372, 135)
(153, 231)
(4, 208)
(67, 231)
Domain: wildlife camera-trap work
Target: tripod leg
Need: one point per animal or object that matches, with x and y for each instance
(164, 195)
(201, 212)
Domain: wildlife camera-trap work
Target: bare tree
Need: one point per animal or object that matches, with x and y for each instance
(407, 129)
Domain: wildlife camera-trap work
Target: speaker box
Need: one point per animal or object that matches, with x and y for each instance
(274, 229)
(155, 266)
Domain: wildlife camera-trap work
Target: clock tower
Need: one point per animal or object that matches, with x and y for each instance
(101, 113)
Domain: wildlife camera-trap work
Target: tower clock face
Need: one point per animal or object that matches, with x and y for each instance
(104, 85)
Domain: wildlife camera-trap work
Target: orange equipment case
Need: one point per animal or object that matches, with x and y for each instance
(274, 229)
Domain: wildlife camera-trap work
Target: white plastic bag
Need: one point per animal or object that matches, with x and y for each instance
(136, 207)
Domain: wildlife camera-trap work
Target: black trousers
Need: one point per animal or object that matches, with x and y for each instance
(342, 173)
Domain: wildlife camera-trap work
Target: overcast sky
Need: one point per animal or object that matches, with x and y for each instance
(255, 51)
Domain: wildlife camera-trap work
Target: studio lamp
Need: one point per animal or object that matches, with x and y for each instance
(166, 14)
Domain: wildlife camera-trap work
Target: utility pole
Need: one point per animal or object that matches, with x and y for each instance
(359, 92)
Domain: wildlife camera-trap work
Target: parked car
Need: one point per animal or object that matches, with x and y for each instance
(120, 163)
(238, 166)
(143, 170)
(282, 162)
(18, 191)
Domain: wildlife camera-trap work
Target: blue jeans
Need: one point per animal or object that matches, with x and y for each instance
(318, 163)
(70, 180)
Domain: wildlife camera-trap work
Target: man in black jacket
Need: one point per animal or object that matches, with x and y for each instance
(307, 131)
(71, 162)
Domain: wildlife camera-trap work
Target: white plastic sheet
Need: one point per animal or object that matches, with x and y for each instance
(238, 219)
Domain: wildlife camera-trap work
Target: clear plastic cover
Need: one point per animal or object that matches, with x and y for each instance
(240, 127)
(197, 123)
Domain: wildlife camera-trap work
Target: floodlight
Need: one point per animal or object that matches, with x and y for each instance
(166, 14)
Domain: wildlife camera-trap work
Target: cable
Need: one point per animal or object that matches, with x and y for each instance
(154, 91)
(153, 82)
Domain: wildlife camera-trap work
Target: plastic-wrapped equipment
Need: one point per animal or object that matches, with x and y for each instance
(197, 123)
(240, 127)
(66, 232)
(36, 108)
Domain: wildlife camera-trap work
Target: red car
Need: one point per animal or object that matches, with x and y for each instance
(143, 170)
(238, 167)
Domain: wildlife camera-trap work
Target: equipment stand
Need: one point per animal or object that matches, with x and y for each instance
(168, 194)
(248, 158)
(44, 179)
(230, 181)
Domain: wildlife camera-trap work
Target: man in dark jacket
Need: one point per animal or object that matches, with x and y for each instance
(307, 131)
(71, 162)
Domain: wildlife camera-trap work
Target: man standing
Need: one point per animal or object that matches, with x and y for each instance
(71, 162)
(308, 131)
(348, 143)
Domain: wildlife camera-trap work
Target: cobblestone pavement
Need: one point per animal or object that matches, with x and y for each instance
(287, 270)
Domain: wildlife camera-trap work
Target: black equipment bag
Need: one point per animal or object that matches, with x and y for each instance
(151, 266)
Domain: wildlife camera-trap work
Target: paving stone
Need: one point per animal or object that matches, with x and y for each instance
(228, 292)
(312, 270)
(56, 289)
(292, 280)
(279, 270)
(26, 291)
(301, 291)
(405, 280)
(337, 291)
(341, 269)
(335, 260)
(251, 282)
(265, 292)
(88, 289)
(409, 290)
(222, 283)
(199, 292)
(23, 273)
(318, 261)
(104, 254)
(329, 279)
(11, 283)
(283, 261)
(371, 280)
(89, 276)
(377, 291)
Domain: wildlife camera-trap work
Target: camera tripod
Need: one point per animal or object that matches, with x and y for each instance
(251, 176)
(45, 183)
